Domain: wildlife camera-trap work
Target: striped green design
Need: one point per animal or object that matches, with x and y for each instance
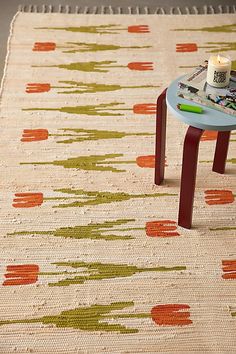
(83, 47)
(90, 66)
(88, 163)
(79, 135)
(233, 161)
(106, 230)
(84, 198)
(99, 271)
(233, 137)
(216, 47)
(78, 87)
(194, 66)
(92, 318)
(225, 228)
(102, 109)
(99, 29)
(224, 28)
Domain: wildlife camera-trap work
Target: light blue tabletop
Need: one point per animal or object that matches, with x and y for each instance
(210, 119)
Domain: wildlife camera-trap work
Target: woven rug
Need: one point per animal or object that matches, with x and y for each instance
(92, 260)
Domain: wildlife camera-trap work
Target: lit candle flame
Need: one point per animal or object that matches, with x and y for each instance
(218, 58)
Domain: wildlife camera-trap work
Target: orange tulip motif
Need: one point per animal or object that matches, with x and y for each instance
(213, 197)
(21, 274)
(27, 200)
(144, 108)
(209, 135)
(186, 47)
(37, 88)
(171, 315)
(138, 29)
(141, 66)
(44, 46)
(161, 228)
(147, 161)
(229, 269)
(30, 135)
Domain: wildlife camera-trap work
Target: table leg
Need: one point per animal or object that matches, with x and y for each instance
(160, 138)
(188, 178)
(221, 151)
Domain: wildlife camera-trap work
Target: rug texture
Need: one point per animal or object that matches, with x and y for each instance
(92, 260)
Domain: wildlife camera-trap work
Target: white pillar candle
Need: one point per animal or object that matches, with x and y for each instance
(218, 71)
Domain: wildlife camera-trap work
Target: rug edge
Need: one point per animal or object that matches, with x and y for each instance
(10, 35)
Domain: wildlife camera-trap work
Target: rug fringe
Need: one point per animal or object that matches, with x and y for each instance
(194, 10)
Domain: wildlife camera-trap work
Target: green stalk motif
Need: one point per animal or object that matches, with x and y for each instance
(231, 135)
(91, 66)
(99, 29)
(92, 318)
(102, 109)
(233, 161)
(104, 231)
(97, 198)
(194, 66)
(95, 47)
(99, 271)
(225, 28)
(217, 47)
(92, 134)
(87, 163)
(81, 87)
(223, 228)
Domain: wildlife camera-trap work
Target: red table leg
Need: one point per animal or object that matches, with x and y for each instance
(160, 138)
(188, 178)
(221, 151)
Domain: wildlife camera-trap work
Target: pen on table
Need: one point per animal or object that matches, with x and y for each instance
(188, 108)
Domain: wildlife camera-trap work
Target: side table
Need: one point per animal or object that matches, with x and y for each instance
(210, 119)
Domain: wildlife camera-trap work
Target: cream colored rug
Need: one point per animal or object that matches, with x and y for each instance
(92, 260)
